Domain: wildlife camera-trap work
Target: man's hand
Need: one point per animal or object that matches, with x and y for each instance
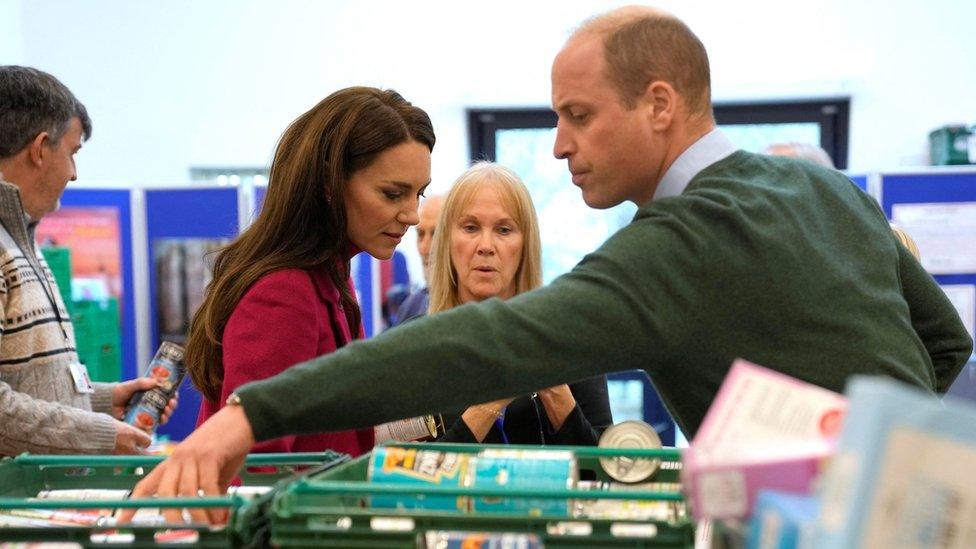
(122, 393)
(130, 440)
(203, 463)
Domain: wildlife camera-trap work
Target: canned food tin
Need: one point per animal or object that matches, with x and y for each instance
(523, 469)
(407, 430)
(628, 509)
(146, 407)
(631, 434)
(392, 465)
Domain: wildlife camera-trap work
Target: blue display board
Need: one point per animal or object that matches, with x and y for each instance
(937, 186)
(861, 181)
(362, 275)
(920, 188)
(259, 194)
(191, 213)
(120, 200)
(931, 187)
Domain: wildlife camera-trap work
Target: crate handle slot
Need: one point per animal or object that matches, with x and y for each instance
(633, 530)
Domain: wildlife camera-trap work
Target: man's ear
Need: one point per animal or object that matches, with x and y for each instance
(38, 149)
(661, 101)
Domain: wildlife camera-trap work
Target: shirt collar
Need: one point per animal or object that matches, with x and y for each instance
(709, 149)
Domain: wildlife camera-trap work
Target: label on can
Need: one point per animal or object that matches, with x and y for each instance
(628, 509)
(631, 434)
(525, 470)
(146, 407)
(392, 465)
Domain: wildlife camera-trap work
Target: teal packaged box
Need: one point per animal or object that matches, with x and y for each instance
(782, 520)
(523, 470)
(410, 466)
(903, 475)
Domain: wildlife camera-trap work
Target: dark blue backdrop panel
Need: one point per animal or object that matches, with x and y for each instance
(921, 188)
(120, 199)
(655, 414)
(861, 181)
(259, 194)
(185, 213)
(925, 188)
(363, 281)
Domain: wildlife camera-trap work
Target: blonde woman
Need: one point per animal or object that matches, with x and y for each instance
(487, 246)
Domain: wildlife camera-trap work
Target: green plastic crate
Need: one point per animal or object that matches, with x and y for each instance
(58, 259)
(26, 475)
(98, 338)
(331, 509)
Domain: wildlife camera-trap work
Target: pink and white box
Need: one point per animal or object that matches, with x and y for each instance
(764, 430)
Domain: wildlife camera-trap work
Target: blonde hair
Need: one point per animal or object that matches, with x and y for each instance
(906, 241)
(642, 45)
(803, 151)
(516, 201)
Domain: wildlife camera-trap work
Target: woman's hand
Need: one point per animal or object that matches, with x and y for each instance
(558, 402)
(204, 463)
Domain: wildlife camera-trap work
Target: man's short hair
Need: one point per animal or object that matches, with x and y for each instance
(643, 45)
(31, 102)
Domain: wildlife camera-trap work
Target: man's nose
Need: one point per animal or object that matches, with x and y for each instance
(563, 147)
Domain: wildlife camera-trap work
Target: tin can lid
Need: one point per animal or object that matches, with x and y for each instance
(631, 434)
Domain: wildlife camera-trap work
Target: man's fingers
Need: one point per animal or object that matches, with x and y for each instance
(168, 411)
(140, 440)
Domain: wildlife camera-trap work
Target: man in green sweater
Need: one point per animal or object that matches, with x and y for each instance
(731, 254)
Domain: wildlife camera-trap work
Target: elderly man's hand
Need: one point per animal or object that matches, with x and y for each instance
(204, 463)
(122, 393)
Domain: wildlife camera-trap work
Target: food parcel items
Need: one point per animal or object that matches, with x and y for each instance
(903, 475)
(493, 468)
(764, 430)
(146, 407)
(782, 520)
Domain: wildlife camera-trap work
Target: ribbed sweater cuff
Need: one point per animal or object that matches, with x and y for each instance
(103, 434)
(101, 399)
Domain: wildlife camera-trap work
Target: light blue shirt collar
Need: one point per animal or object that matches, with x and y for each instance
(709, 149)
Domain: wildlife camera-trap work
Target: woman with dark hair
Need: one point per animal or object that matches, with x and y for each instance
(346, 177)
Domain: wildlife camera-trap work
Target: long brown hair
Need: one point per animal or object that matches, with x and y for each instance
(303, 221)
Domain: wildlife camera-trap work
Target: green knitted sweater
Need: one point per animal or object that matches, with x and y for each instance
(780, 262)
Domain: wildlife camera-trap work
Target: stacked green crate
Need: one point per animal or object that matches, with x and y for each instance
(96, 323)
(97, 337)
(59, 261)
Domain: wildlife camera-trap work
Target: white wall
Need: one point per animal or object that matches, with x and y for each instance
(180, 83)
(11, 45)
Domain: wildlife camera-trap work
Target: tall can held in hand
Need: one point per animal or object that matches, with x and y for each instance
(146, 407)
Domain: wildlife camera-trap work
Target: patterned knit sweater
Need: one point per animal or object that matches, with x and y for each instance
(40, 411)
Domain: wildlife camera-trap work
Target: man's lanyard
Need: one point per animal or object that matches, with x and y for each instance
(48, 292)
